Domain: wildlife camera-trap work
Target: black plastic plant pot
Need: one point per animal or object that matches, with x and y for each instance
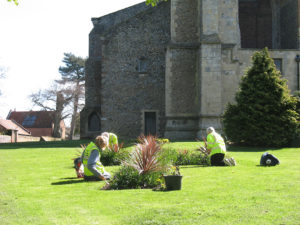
(173, 182)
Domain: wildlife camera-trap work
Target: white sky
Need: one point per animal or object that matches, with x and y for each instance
(33, 37)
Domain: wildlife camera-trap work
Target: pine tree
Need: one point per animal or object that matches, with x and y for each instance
(265, 112)
(74, 72)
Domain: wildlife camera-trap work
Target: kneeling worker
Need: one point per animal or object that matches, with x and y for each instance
(216, 148)
(93, 169)
(112, 140)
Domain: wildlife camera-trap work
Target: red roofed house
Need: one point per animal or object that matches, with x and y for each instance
(11, 131)
(39, 123)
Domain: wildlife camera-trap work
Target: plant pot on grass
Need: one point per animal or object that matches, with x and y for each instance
(173, 182)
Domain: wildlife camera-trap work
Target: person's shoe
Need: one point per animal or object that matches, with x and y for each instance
(227, 162)
(232, 161)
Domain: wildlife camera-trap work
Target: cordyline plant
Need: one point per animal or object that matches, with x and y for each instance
(79, 152)
(116, 148)
(145, 157)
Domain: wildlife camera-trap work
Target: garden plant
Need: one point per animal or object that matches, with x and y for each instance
(144, 167)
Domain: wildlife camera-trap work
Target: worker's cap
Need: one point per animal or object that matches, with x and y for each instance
(210, 130)
(105, 134)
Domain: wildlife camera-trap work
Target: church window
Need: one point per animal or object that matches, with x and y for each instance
(142, 65)
(94, 122)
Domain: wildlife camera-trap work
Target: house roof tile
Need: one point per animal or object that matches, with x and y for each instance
(33, 119)
(12, 125)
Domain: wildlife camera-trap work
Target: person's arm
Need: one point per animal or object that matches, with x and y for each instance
(91, 165)
(115, 140)
(205, 150)
(112, 141)
(82, 154)
(205, 142)
(210, 143)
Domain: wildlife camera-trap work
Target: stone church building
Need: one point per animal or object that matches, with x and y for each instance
(170, 70)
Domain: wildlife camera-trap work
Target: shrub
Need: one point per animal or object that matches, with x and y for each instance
(162, 140)
(129, 178)
(167, 157)
(110, 158)
(265, 112)
(191, 158)
(144, 167)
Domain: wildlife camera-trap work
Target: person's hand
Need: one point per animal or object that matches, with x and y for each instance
(102, 177)
(204, 139)
(208, 151)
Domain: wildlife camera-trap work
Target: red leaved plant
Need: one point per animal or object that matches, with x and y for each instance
(145, 157)
(116, 148)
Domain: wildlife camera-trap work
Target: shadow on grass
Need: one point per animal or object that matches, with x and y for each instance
(266, 166)
(233, 148)
(68, 180)
(164, 190)
(40, 144)
(193, 166)
(54, 144)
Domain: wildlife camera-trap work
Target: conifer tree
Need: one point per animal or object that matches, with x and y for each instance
(265, 112)
(74, 73)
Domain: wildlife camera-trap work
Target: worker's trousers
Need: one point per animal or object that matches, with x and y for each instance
(217, 159)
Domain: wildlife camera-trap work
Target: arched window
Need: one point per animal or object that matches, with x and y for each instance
(94, 122)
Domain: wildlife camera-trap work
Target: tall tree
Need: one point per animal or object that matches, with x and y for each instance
(265, 112)
(73, 72)
(54, 99)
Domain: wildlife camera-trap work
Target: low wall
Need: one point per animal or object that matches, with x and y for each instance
(8, 139)
(5, 139)
(47, 138)
(28, 138)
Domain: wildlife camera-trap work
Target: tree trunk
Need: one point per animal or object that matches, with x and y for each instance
(75, 108)
(58, 114)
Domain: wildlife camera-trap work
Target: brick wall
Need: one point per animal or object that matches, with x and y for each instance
(37, 132)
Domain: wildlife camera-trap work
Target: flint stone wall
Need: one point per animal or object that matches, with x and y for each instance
(133, 71)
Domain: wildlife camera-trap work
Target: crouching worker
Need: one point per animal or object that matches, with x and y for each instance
(112, 140)
(216, 149)
(93, 169)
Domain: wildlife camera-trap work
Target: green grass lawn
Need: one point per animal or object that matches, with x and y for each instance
(38, 186)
